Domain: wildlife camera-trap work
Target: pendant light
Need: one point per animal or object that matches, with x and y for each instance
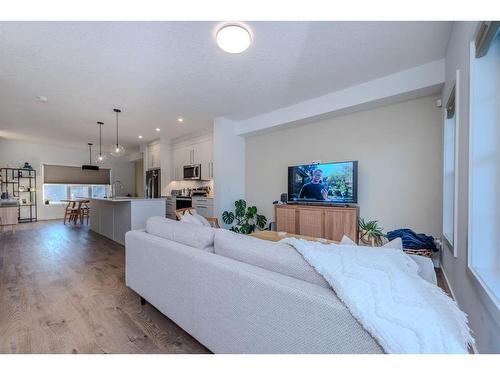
(100, 157)
(89, 166)
(117, 149)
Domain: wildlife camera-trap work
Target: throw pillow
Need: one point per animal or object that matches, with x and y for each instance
(188, 218)
(347, 241)
(202, 220)
(395, 244)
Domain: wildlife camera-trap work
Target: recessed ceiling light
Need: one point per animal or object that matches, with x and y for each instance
(180, 119)
(157, 129)
(233, 38)
(42, 98)
(140, 137)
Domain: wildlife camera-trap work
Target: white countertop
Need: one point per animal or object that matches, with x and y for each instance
(9, 202)
(127, 199)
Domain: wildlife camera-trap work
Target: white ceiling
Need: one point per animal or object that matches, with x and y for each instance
(158, 71)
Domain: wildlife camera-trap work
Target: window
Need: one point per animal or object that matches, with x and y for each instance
(78, 191)
(484, 161)
(62, 182)
(56, 193)
(449, 158)
(98, 191)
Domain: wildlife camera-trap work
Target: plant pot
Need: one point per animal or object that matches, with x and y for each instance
(367, 239)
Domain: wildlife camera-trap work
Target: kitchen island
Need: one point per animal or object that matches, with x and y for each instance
(113, 217)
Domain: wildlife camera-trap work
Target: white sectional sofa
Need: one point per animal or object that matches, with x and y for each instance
(239, 294)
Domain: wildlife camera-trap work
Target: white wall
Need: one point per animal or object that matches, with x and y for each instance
(15, 153)
(484, 317)
(408, 84)
(399, 151)
(229, 166)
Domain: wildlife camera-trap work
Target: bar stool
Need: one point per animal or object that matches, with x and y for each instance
(84, 211)
(71, 212)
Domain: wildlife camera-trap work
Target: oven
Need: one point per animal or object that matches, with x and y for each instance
(183, 202)
(192, 172)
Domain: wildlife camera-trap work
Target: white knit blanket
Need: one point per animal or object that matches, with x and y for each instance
(383, 291)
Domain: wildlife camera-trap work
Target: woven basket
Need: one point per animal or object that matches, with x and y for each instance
(422, 252)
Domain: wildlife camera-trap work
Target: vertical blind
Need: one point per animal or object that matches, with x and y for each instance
(61, 174)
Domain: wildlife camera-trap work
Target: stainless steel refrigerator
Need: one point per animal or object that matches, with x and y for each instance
(153, 183)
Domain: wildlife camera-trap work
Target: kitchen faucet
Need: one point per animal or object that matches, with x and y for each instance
(113, 187)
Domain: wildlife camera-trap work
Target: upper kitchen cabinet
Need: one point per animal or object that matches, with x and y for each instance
(181, 156)
(203, 156)
(154, 156)
(196, 151)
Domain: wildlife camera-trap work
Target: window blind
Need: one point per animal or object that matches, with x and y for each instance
(61, 174)
(485, 36)
(450, 105)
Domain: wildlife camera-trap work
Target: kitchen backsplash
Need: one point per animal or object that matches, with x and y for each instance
(176, 185)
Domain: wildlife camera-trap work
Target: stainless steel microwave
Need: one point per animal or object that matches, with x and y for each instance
(192, 172)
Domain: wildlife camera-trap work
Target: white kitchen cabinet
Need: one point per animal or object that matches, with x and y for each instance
(203, 156)
(154, 156)
(195, 153)
(175, 164)
(204, 206)
(181, 156)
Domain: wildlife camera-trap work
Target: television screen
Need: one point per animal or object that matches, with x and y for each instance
(328, 182)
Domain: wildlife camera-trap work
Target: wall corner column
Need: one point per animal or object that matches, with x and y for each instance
(229, 165)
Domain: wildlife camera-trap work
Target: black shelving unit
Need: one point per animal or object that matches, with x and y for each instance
(20, 183)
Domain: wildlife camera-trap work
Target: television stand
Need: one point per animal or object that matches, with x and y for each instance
(318, 220)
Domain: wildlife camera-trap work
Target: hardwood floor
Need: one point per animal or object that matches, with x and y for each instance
(62, 290)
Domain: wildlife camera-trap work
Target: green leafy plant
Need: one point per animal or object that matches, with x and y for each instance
(244, 219)
(371, 233)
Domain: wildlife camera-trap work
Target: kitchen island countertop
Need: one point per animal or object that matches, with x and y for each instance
(127, 199)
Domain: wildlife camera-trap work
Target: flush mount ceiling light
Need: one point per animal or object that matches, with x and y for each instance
(117, 149)
(140, 136)
(180, 119)
(233, 38)
(157, 129)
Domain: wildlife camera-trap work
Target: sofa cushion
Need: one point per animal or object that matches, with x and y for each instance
(193, 235)
(273, 256)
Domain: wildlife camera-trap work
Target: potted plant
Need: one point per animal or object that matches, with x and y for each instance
(244, 219)
(371, 233)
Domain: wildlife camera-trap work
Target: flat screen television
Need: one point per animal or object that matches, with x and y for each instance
(328, 183)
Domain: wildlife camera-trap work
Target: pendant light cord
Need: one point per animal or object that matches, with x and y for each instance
(100, 123)
(118, 152)
(100, 139)
(117, 129)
